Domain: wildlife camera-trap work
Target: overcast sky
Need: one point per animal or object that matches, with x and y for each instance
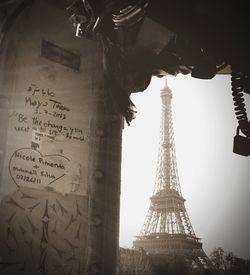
(214, 181)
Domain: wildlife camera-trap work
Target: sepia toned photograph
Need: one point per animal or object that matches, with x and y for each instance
(124, 137)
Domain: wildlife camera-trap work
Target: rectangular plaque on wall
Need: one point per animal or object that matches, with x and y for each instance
(60, 55)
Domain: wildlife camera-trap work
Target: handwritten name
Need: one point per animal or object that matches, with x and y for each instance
(24, 157)
(51, 164)
(40, 160)
(50, 104)
(25, 171)
(34, 89)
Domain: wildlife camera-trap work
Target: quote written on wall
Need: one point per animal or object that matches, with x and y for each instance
(48, 120)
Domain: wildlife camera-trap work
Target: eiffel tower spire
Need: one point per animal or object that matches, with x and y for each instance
(167, 228)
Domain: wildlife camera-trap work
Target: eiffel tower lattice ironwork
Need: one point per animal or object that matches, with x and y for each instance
(167, 228)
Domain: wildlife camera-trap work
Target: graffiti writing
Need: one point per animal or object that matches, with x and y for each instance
(29, 167)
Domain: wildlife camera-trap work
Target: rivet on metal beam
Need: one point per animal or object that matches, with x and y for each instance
(99, 174)
(99, 132)
(94, 269)
(96, 221)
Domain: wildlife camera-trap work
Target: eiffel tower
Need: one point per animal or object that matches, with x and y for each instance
(167, 229)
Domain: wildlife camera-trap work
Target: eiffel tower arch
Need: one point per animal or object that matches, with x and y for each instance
(167, 229)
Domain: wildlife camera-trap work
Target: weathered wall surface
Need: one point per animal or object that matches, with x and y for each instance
(51, 133)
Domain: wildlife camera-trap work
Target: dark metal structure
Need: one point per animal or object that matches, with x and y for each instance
(142, 38)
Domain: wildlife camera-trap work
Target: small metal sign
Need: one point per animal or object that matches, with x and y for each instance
(60, 55)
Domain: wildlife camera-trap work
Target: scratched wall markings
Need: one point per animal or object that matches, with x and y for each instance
(50, 239)
(50, 116)
(28, 167)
